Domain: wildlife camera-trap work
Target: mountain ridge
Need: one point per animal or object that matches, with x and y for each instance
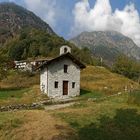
(105, 43)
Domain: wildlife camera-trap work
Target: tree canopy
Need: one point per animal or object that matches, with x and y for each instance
(31, 43)
(127, 67)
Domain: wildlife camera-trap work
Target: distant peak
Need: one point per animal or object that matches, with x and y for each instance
(107, 31)
(107, 43)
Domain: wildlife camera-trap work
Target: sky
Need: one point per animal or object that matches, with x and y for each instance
(69, 18)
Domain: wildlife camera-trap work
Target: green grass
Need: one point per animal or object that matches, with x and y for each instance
(134, 97)
(111, 119)
(16, 96)
(91, 94)
(125, 125)
(9, 121)
(12, 93)
(115, 118)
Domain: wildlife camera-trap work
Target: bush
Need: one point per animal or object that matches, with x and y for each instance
(34, 43)
(127, 67)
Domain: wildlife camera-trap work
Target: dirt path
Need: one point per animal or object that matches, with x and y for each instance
(37, 125)
(59, 106)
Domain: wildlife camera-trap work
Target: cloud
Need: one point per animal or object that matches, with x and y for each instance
(102, 18)
(46, 9)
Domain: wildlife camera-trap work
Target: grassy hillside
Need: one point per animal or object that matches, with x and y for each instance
(96, 82)
(101, 79)
(109, 119)
(19, 88)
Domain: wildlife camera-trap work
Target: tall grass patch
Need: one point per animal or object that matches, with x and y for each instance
(134, 97)
(19, 79)
(101, 79)
(12, 93)
(10, 120)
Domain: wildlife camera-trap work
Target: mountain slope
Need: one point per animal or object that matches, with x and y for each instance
(35, 43)
(107, 44)
(13, 18)
(23, 35)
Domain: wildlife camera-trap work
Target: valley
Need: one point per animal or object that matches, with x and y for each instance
(105, 64)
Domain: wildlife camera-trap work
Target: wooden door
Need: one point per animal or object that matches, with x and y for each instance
(65, 87)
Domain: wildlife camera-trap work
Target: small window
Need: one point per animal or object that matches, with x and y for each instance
(56, 84)
(65, 50)
(73, 84)
(65, 68)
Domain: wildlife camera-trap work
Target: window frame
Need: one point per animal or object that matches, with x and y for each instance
(56, 84)
(73, 84)
(65, 68)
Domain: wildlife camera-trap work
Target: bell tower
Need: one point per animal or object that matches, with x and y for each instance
(65, 49)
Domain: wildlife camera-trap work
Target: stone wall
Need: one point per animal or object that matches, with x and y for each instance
(43, 81)
(56, 73)
(38, 105)
(20, 107)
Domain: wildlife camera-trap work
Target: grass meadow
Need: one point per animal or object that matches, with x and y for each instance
(96, 82)
(111, 119)
(21, 96)
(12, 93)
(114, 118)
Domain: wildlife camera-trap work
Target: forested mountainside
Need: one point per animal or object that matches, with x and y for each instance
(13, 18)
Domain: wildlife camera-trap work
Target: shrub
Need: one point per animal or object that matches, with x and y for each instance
(127, 67)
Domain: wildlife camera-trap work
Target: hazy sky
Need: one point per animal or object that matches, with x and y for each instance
(70, 17)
